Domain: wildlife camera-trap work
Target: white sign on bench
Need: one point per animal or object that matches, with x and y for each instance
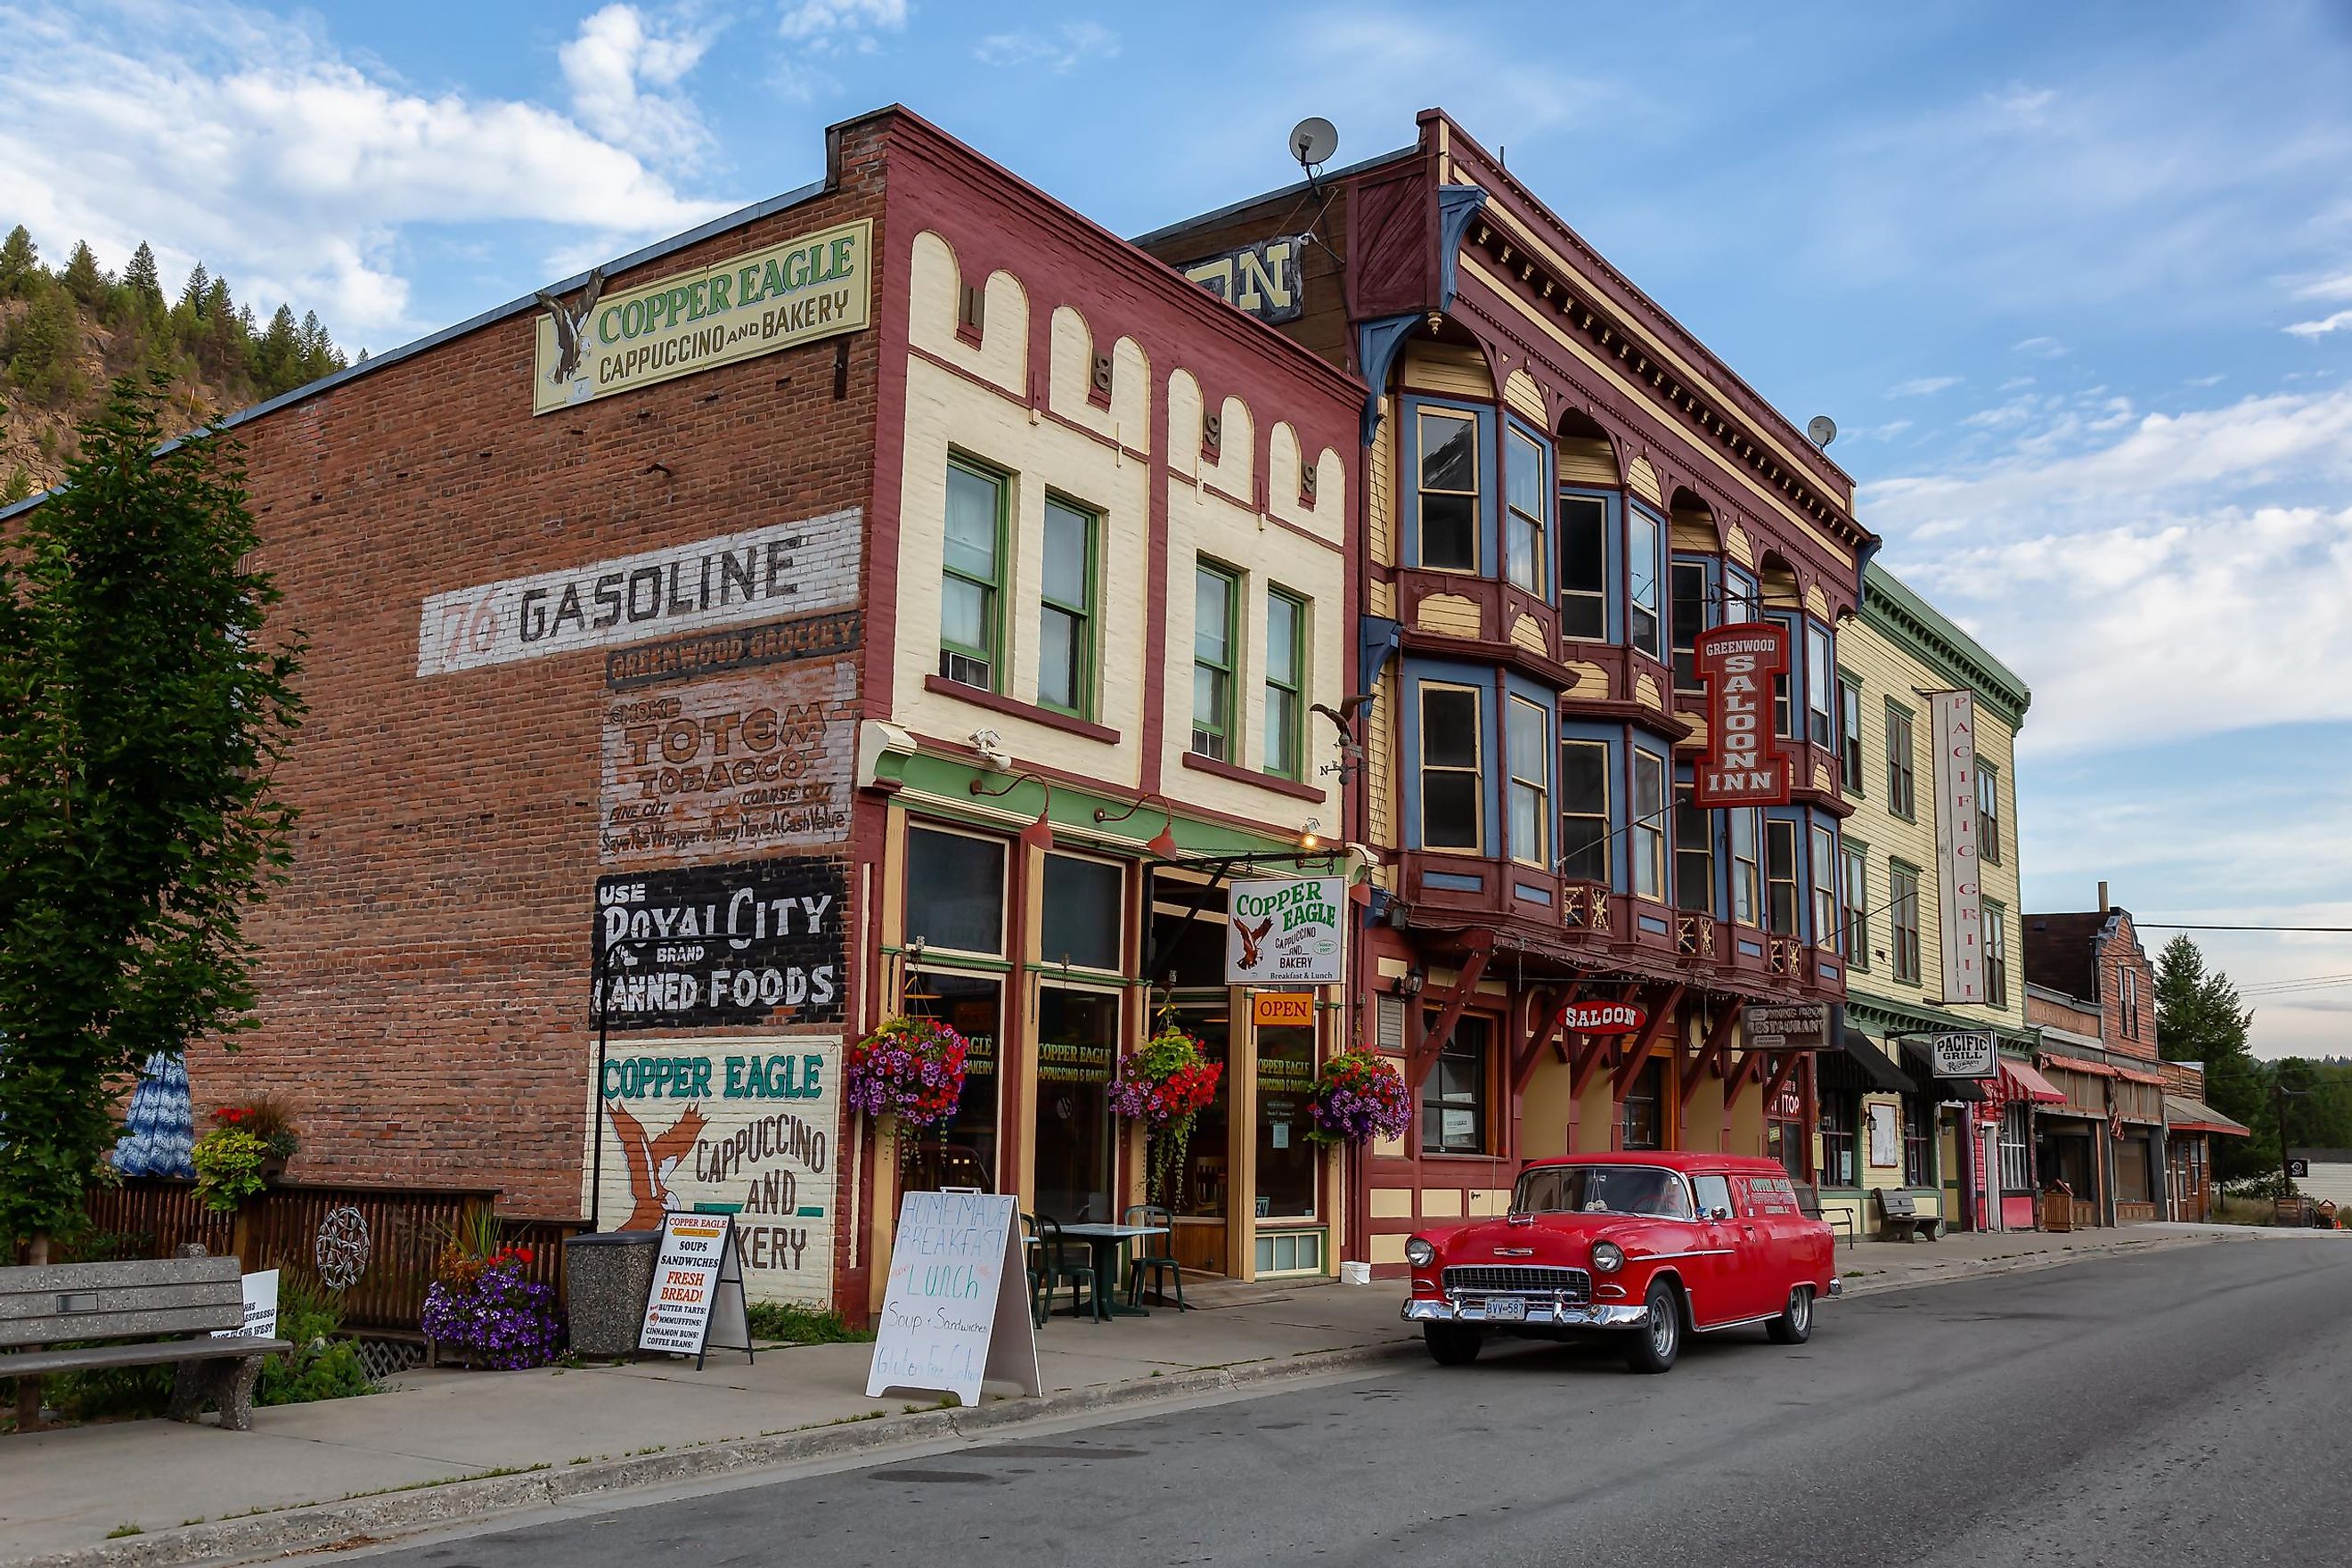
(956, 1312)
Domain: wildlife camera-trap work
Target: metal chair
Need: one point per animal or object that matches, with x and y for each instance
(1056, 1264)
(1150, 1265)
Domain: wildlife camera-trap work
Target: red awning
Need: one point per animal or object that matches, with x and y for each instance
(2131, 1075)
(2020, 1082)
(2075, 1064)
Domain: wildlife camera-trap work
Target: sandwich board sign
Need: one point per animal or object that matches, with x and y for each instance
(956, 1312)
(697, 1286)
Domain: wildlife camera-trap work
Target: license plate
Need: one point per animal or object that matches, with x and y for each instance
(1506, 1309)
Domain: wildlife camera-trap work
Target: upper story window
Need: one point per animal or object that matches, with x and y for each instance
(2130, 988)
(1987, 814)
(1645, 568)
(1690, 619)
(1451, 769)
(1784, 713)
(1694, 854)
(971, 576)
(1996, 941)
(1584, 567)
(1821, 717)
(1526, 742)
(1900, 798)
(1524, 484)
(1902, 919)
(1286, 681)
(1823, 868)
(1584, 810)
(1746, 867)
(1850, 734)
(1780, 875)
(1449, 491)
(1065, 610)
(1216, 598)
(1853, 892)
(1647, 828)
(1743, 600)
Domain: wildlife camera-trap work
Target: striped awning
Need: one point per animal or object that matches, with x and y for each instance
(2021, 1084)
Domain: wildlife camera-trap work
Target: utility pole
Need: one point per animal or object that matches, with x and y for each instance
(2286, 1177)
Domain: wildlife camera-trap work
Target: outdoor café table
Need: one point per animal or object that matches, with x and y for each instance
(1108, 1245)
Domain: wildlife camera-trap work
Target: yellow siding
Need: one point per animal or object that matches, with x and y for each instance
(1646, 693)
(1529, 635)
(1583, 468)
(1526, 398)
(1449, 613)
(1818, 603)
(1643, 480)
(1692, 532)
(1592, 675)
(1887, 670)
(1391, 1203)
(1441, 1204)
(1380, 494)
(1736, 545)
(1449, 370)
(1380, 766)
(1388, 1248)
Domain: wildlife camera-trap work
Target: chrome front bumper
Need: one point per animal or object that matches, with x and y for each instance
(1540, 1314)
(1837, 1284)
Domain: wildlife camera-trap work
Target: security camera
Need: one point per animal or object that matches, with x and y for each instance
(991, 747)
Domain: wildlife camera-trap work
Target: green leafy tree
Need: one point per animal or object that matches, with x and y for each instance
(140, 718)
(19, 260)
(2198, 1018)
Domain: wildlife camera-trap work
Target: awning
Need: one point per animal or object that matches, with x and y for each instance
(2076, 1063)
(1923, 1067)
(1861, 1066)
(2020, 1081)
(2195, 1116)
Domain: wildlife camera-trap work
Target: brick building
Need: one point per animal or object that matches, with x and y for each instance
(799, 620)
(2091, 995)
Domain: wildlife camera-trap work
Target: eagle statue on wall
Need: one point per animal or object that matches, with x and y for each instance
(571, 326)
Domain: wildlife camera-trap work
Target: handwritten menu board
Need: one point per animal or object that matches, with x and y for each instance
(956, 1310)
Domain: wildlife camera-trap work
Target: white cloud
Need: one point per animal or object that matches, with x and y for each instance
(837, 24)
(2041, 348)
(2163, 576)
(623, 69)
(1923, 386)
(251, 144)
(2340, 321)
(2337, 287)
(1060, 49)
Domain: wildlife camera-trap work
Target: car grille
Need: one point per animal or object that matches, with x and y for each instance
(1500, 1279)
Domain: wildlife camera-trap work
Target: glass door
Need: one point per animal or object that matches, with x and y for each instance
(1077, 1049)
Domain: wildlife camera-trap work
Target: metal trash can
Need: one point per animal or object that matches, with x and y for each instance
(607, 1276)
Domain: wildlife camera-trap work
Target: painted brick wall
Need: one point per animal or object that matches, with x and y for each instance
(425, 975)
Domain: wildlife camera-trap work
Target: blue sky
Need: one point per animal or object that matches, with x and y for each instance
(2075, 282)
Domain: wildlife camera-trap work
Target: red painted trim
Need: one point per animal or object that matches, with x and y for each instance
(966, 375)
(1433, 1042)
(1712, 1051)
(1661, 1012)
(995, 703)
(1279, 786)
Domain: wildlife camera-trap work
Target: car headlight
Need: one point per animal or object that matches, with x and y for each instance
(1607, 1257)
(1419, 1253)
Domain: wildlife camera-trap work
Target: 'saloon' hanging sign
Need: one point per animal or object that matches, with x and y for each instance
(1603, 1017)
(1743, 765)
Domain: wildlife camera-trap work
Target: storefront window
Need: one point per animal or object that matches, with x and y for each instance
(1784, 1133)
(1078, 1047)
(1285, 1160)
(1453, 1099)
(1644, 1113)
(964, 1153)
(2016, 1135)
(1202, 1192)
(1083, 900)
(1918, 1141)
(1186, 954)
(1841, 1160)
(955, 891)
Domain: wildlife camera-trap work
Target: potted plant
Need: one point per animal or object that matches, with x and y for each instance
(270, 1119)
(482, 1304)
(229, 1168)
(1165, 1086)
(1359, 1095)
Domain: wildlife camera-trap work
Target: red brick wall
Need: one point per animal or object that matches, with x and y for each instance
(425, 975)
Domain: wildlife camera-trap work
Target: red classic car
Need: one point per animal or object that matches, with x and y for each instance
(1652, 1245)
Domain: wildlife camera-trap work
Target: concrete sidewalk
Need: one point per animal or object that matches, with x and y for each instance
(423, 1451)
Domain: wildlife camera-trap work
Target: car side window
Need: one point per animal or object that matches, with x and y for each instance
(1714, 1194)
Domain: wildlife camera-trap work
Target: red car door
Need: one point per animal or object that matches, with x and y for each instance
(1719, 1269)
(1768, 1225)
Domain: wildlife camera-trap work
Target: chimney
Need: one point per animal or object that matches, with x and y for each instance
(2103, 897)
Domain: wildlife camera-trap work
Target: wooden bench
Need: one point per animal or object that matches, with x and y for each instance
(168, 1306)
(1808, 1204)
(2291, 1211)
(1899, 1212)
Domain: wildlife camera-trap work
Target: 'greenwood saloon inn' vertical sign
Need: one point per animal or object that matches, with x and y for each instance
(1743, 765)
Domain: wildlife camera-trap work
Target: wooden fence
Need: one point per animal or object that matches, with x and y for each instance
(391, 1234)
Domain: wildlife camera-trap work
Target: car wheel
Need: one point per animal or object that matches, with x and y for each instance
(1452, 1344)
(1794, 1326)
(1655, 1344)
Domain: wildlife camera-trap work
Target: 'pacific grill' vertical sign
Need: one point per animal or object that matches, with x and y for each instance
(755, 942)
(1958, 887)
(1743, 765)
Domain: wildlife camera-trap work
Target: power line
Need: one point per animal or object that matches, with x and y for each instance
(2163, 925)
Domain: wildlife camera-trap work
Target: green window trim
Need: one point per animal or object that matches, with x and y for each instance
(1061, 617)
(1286, 685)
(1989, 812)
(1213, 669)
(978, 661)
(1903, 899)
(1902, 762)
(1854, 761)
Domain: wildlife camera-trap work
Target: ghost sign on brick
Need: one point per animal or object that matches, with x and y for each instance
(758, 941)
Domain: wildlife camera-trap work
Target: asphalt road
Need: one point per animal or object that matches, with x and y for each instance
(2190, 1405)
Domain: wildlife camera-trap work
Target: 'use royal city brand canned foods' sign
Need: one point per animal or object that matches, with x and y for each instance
(594, 344)
(1286, 931)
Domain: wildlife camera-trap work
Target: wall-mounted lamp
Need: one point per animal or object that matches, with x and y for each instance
(1310, 835)
(1038, 835)
(1409, 983)
(1162, 844)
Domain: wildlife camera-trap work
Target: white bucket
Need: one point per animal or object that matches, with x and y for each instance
(1355, 1274)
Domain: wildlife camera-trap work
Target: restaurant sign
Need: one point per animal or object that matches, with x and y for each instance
(1743, 765)
(1286, 931)
(1958, 887)
(1964, 1053)
(1603, 1017)
(1796, 1026)
(592, 345)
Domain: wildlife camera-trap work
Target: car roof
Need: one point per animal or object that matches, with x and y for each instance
(1687, 1162)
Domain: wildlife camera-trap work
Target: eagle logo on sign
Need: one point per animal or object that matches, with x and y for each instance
(571, 326)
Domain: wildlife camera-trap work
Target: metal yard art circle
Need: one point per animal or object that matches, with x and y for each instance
(341, 1252)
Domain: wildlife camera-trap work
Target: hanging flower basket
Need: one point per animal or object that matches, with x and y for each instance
(912, 1068)
(1165, 1086)
(1359, 1095)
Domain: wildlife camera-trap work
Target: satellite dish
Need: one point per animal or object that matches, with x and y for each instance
(1821, 429)
(1313, 141)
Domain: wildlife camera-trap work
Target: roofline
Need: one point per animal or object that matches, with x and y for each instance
(1934, 634)
(1201, 220)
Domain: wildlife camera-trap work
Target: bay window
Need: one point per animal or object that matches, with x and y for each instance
(1743, 599)
(1648, 826)
(1780, 875)
(1449, 491)
(1451, 769)
(1693, 853)
(1690, 619)
(1746, 867)
(1584, 811)
(1526, 740)
(1584, 567)
(1524, 483)
(1821, 717)
(1643, 569)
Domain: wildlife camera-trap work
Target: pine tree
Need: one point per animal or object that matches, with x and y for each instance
(19, 260)
(2198, 1018)
(17, 486)
(141, 275)
(83, 277)
(45, 347)
(277, 357)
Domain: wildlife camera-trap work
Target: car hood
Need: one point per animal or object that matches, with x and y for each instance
(1557, 1238)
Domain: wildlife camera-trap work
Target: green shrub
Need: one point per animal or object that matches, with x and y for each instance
(803, 1325)
(320, 1366)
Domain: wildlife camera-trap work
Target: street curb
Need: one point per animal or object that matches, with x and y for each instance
(287, 1532)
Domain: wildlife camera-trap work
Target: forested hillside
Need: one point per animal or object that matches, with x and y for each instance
(66, 331)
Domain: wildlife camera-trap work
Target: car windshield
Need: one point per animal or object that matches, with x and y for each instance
(1602, 1189)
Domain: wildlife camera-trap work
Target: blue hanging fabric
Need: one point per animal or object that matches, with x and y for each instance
(160, 1132)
